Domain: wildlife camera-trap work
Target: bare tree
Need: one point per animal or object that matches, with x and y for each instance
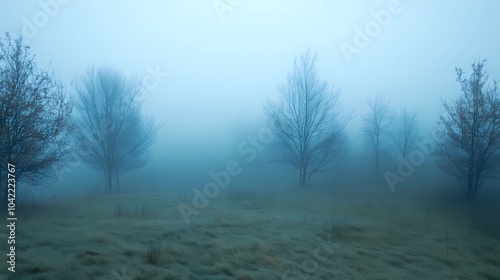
(377, 121)
(116, 135)
(407, 131)
(308, 121)
(35, 112)
(468, 135)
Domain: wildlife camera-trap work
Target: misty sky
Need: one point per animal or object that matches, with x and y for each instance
(222, 66)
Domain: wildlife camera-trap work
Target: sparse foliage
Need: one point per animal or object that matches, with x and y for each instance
(468, 134)
(377, 121)
(116, 135)
(308, 121)
(35, 116)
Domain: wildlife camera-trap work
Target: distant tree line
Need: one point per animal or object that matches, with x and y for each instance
(38, 124)
(311, 127)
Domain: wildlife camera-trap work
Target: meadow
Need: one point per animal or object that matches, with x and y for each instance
(250, 233)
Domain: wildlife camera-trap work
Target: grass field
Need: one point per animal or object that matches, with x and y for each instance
(247, 233)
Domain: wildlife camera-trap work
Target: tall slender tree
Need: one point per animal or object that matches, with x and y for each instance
(308, 121)
(406, 132)
(377, 121)
(111, 123)
(467, 137)
(35, 117)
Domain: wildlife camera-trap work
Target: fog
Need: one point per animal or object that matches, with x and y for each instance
(214, 66)
(209, 67)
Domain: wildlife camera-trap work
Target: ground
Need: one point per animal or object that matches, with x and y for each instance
(247, 233)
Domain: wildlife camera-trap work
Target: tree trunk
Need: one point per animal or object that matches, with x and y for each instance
(476, 185)
(109, 181)
(105, 181)
(303, 177)
(376, 154)
(470, 187)
(117, 183)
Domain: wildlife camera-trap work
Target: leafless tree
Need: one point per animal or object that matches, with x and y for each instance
(376, 121)
(308, 121)
(115, 134)
(467, 140)
(35, 123)
(407, 131)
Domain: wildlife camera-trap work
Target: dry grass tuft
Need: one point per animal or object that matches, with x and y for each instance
(154, 252)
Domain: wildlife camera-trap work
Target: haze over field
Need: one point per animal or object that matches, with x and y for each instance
(223, 64)
(210, 75)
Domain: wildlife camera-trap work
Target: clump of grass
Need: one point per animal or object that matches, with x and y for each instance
(394, 209)
(121, 211)
(426, 216)
(154, 252)
(32, 199)
(38, 269)
(98, 239)
(337, 226)
(364, 205)
(143, 210)
(485, 223)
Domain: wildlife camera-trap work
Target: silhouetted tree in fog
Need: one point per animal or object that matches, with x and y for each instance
(308, 121)
(468, 134)
(35, 115)
(111, 127)
(406, 131)
(376, 121)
